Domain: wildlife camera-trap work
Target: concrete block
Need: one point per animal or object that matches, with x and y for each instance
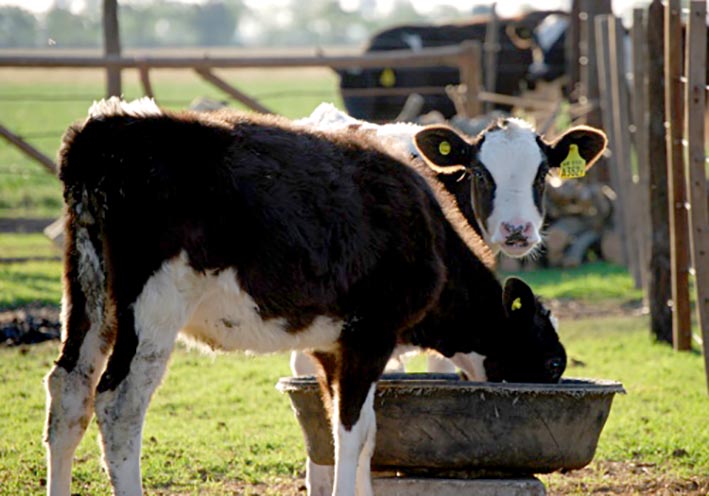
(419, 486)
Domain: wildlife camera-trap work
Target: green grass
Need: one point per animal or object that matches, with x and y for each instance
(218, 421)
(40, 111)
(27, 245)
(592, 281)
(30, 283)
(667, 393)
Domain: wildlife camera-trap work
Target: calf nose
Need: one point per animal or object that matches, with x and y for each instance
(516, 229)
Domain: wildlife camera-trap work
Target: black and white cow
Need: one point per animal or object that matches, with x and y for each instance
(502, 172)
(249, 232)
(529, 50)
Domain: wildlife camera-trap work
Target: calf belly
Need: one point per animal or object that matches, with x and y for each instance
(221, 315)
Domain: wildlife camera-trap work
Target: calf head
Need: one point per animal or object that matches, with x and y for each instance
(533, 352)
(507, 166)
(526, 348)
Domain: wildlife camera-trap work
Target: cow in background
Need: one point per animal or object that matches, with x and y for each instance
(531, 48)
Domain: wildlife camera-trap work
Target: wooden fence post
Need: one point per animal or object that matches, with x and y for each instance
(679, 217)
(112, 46)
(696, 107)
(491, 49)
(588, 71)
(660, 278)
(640, 138)
(628, 194)
(469, 67)
(614, 162)
(572, 50)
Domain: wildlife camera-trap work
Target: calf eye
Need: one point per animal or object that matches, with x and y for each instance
(554, 365)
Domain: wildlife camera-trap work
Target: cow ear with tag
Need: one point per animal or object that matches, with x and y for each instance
(443, 149)
(519, 300)
(576, 151)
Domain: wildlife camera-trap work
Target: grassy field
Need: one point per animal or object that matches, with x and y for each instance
(218, 425)
(40, 111)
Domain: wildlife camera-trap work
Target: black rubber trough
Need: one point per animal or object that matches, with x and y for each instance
(438, 424)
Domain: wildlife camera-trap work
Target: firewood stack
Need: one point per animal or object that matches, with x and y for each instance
(579, 224)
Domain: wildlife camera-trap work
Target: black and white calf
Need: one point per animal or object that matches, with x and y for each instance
(248, 232)
(502, 172)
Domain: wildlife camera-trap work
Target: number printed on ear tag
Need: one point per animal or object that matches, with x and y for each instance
(573, 165)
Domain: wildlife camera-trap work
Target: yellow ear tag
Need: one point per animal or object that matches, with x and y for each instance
(516, 304)
(573, 165)
(387, 78)
(444, 148)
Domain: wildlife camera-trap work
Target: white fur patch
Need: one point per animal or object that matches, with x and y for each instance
(399, 135)
(414, 41)
(91, 278)
(142, 107)
(440, 364)
(216, 311)
(472, 364)
(354, 448)
(554, 322)
(512, 156)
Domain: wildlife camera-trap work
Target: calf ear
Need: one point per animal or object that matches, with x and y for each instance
(590, 143)
(518, 299)
(443, 149)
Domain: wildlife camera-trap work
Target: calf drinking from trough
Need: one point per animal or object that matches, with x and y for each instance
(507, 180)
(247, 232)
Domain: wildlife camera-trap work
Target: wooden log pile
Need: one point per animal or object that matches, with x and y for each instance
(579, 220)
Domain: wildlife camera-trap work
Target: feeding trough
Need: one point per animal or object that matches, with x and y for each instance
(439, 425)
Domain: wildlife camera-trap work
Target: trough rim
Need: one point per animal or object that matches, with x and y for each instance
(418, 381)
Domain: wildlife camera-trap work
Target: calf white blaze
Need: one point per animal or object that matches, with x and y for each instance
(512, 156)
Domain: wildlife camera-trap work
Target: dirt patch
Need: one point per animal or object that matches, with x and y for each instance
(565, 309)
(625, 478)
(29, 325)
(611, 478)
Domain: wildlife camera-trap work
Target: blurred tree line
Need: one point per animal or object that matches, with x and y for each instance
(169, 23)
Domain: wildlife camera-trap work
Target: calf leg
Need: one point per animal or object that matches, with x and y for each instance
(364, 352)
(71, 382)
(440, 364)
(318, 478)
(369, 425)
(145, 339)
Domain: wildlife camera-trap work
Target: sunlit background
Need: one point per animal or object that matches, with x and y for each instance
(148, 23)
